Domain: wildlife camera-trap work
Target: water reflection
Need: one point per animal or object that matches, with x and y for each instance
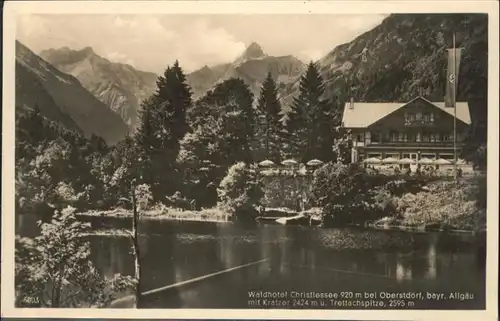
(403, 273)
(432, 262)
(299, 258)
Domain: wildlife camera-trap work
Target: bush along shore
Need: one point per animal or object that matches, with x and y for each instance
(346, 195)
(349, 195)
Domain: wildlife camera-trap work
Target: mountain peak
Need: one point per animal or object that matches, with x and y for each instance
(87, 51)
(253, 51)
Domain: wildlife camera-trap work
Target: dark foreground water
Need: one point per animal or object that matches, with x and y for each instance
(305, 267)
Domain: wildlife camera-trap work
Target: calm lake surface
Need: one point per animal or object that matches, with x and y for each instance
(300, 259)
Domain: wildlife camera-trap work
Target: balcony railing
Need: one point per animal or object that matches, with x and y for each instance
(415, 144)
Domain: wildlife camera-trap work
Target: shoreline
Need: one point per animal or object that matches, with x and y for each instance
(194, 216)
(419, 229)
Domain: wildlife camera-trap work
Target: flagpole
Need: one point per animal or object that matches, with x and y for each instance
(455, 87)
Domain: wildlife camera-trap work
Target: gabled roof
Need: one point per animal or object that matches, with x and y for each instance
(364, 114)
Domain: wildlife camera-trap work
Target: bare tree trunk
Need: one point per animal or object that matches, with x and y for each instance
(135, 241)
(57, 293)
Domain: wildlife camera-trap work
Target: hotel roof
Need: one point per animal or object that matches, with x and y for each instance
(364, 113)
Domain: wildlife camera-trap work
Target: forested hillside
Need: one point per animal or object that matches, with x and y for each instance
(405, 56)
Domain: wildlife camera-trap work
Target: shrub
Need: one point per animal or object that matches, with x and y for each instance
(341, 190)
(446, 204)
(54, 269)
(240, 191)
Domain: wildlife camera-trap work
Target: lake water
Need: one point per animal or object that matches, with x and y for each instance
(300, 259)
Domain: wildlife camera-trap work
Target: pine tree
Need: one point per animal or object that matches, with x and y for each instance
(234, 105)
(173, 97)
(308, 112)
(163, 125)
(269, 109)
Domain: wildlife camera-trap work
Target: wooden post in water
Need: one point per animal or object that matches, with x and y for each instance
(135, 241)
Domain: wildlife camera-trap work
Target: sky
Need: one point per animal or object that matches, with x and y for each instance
(152, 42)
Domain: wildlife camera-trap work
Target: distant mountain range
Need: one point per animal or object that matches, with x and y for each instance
(252, 67)
(119, 86)
(61, 98)
(122, 87)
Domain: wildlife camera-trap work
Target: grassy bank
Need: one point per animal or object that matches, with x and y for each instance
(441, 205)
(161, 212)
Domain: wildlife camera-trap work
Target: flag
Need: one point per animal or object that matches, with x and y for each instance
(452, 76)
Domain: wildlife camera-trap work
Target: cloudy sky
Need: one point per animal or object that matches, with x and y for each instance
(151, 42)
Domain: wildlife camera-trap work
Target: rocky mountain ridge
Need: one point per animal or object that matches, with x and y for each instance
(119, 86)
(252, 67)
(62, 98)
(404, 57)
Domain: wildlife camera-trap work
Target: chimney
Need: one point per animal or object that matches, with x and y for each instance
(351, 105)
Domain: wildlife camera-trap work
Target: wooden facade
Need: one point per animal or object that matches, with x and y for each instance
(414, 130)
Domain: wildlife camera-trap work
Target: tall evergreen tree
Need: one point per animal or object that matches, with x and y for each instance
(173, 97)
(311, 119)
(163, 125)
(269, 108)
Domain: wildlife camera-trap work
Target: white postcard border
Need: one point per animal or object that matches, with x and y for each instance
(14, 8)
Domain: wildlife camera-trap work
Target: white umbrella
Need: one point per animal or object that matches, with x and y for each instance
(314, 162)
(266, 163)
(442, 161)
(372, 160)
(390, 160)
(289, 162)
(461, 162)
(405, 161)
(426, 161)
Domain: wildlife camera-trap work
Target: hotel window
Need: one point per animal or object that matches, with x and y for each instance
(412, 137)
(376, 137)
(419, 137)
(447, 137)
(360, 138)
(409, 118)
(419, 116)
(426, 137)
(406, 155)
(433, 137)
(429, 117)
(403, 137)
(393, 136)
